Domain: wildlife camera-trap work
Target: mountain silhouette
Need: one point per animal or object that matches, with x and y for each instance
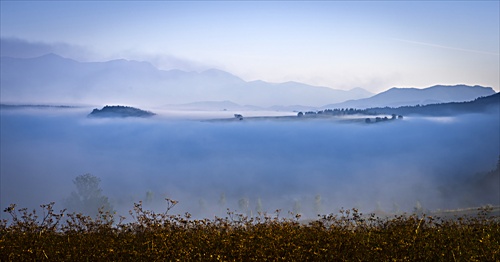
(54, 79)
(396, 97)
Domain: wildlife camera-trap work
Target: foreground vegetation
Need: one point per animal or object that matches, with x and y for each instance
(348, 236)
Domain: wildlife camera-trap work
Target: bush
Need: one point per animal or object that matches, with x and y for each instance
(347, 236)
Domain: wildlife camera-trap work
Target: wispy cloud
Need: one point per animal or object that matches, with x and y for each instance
(447, 47)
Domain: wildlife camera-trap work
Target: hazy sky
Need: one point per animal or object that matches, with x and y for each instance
(373, 45)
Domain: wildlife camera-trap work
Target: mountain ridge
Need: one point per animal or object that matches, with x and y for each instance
(57, 79)
(396, 96)
(478, 105)
(52, 78)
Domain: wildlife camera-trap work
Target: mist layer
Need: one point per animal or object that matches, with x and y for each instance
(306, 167)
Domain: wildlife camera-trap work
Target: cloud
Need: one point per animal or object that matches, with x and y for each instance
(19, 48)
(163, 61)
(447, 47)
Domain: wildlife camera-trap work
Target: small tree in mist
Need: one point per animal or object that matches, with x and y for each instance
(418, 209)
(222, 200)
(297, 207)
(243, 204)
(258, 206)
(88, 197)
(221, 203)
(149, 197)
(318, 207)
(202, 204)
(395, 208)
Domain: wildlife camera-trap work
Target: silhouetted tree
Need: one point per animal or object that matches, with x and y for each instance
(418, 209)
(258, 207)
(88, 197)
(243, 204)
(318, 205)
(149, 196)
(297, 208)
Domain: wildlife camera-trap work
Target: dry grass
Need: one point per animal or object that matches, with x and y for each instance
(347, 236)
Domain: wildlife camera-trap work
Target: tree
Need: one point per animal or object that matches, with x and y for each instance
(243, 204)
(297, 207)
(258, 207)
(318, 207)
(222, 200)
(418, 209)
(88, 198)
(149, 196)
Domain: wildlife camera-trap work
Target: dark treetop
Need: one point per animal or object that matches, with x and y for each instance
(120, 111)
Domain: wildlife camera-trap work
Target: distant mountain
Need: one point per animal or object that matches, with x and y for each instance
(9, 106)
(54, 79)
(120, 111)
(228, 105)
(396, 97)
(479, 105)
(212, 106)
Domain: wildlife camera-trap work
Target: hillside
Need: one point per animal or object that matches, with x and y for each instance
(479, 105)
(397, 97)
(120, 111)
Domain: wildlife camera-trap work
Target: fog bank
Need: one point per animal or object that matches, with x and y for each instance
(248, 166)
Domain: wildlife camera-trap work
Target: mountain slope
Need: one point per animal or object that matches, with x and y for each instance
(396, 97)
(54, 79)
(480, 105)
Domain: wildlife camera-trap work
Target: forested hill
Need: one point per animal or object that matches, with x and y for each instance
(478, 105)
(120, 111)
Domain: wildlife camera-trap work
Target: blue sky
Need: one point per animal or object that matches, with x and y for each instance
(374, 45)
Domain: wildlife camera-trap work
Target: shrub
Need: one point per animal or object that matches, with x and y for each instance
(347, 236)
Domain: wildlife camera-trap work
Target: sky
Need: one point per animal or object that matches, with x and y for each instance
(374, 45)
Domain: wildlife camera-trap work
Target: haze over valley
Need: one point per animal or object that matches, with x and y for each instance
(210, 166)
(306, 167)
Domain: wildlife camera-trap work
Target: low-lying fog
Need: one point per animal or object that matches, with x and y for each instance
(302, 166)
